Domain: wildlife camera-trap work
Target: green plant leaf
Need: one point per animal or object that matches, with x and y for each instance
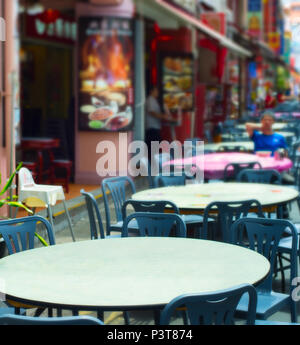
(10, 180)
(15, 204)
(44, 243)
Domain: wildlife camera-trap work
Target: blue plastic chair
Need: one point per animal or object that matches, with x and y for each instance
(19, 235)
(216, 308)
(97, 232)
(144, 162)
(232, 170)
(116, 186)
(231, 148)
(263, 235)
(156, 224)
(171, 180)
(225, 213)
(162, 206)
(268, 176)
(49, 321)
(95, 220)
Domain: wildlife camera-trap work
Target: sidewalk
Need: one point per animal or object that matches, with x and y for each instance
(81, 230)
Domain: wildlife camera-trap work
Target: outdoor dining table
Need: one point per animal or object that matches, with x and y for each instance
(126, 273)
(276, 126)
(214, 164)
(195, 197)
(244, 135)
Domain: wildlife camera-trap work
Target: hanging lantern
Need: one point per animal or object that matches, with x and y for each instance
(50, 16)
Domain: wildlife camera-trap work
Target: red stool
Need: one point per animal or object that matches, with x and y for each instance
(62, 164)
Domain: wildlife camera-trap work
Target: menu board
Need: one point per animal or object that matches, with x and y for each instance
(106, 91)
(177, 75)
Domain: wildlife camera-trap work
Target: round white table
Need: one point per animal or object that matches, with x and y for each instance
(245, 135)
(198, 196)
(126, 273)
(276, 126)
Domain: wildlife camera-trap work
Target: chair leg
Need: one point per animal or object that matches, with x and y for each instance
(294, 316)
(157, 317)
(69, 220)
(100, 315)
(126, 318)
(282, 273)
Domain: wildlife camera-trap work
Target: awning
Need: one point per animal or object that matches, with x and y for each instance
(189, 19)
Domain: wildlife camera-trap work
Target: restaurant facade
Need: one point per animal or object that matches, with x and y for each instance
(82, 70)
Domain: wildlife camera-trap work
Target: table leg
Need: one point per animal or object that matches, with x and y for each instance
(50, 215)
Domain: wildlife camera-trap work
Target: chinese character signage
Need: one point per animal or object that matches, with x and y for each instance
(274, 41)
(106, 92)
(216, 21)
(255, 19)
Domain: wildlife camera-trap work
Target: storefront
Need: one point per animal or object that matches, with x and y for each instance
(82, 76)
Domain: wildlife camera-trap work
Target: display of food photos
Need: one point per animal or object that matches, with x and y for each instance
(106, 91)
(177, 82)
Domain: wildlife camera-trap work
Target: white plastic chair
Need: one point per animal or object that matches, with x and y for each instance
(38, 195)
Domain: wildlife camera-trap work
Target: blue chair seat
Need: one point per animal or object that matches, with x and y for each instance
(267, 304)
(132, 227)
(274, 323)
(194, 219)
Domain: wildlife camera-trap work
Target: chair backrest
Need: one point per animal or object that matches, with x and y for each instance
(171, 180)
(11, 319)
(191, 172)
(19, 233)
(227, 212)
(158, 206)
(160, 159)
(94, 215)
(233, 169)
(263, 235)
(25, 178)
(231, 148)
(117, 188)
(216, 308)
(156, 224)
(145, 165)
(259, 176)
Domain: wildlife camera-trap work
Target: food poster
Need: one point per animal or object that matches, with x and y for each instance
(106, 91)
(177, 76)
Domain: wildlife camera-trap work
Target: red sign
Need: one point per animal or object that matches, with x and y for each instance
(63, 29)
(216, 21)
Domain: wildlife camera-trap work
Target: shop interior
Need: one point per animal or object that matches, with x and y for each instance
(47, 46)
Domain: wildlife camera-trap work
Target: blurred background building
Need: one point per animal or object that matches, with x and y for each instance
(81, 70)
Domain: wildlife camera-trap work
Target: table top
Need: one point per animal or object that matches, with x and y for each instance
(129, 273)
(276, 126)
(245, 134)
(215, 163)
(198, 196)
